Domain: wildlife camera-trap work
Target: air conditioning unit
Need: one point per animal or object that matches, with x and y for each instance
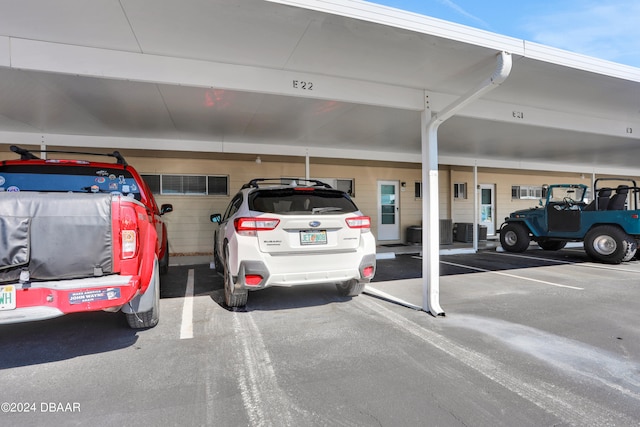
(463, 232)
(446, 232)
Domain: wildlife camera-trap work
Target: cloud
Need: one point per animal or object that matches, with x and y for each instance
(608, 30)
(464, 13)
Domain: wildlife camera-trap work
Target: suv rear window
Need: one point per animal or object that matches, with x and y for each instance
(67, 178)
(305, 200)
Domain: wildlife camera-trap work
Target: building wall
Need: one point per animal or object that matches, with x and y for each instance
(189, 228)
(462, 210)
(191, 232)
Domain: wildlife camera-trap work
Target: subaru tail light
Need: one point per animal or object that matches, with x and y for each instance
(249, 226)
(362, 222)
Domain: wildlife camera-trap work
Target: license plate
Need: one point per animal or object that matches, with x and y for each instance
(313, 237)
(7, 297)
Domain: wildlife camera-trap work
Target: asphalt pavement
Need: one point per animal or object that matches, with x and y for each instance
(542, 338)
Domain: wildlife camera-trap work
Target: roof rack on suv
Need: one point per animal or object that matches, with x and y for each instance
(28, 155)
(254, 183)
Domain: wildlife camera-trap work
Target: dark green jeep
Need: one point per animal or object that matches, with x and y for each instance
(609, 225)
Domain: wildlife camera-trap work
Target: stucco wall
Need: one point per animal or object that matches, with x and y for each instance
(191, 232)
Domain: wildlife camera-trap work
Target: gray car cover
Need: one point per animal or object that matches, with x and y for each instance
(55, 235)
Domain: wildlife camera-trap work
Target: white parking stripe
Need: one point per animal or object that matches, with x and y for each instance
(577, 264)
(535, 258)
(512, 275)
(186, 328)
(265, 402)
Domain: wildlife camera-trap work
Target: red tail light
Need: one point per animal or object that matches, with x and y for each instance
(252, 279)
(367, 272)
(359, 222)
(250, 226)
(129, 232)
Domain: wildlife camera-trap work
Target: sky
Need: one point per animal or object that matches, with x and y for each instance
(605, 29)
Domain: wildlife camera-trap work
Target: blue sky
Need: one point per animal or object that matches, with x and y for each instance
(606, 29)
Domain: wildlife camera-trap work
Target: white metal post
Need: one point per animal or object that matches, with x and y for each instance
(476, 210)
(430, 206)
(430, 217)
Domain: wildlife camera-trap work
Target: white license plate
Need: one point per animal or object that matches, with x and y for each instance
(313, 237)
(7, 297)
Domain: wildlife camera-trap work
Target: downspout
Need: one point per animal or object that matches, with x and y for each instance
(476, 196)
(430, 205)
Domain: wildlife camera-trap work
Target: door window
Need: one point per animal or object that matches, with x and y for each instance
(388, 204)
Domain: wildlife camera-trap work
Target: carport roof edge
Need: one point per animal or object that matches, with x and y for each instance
(388, 16)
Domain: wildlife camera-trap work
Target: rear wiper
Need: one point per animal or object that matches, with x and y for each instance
(324, 210)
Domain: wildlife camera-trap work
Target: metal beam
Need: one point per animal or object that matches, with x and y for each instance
(137, 67)
(103, 63)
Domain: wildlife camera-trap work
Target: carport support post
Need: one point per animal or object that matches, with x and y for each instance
(476, 211)
(430, 205)
(430, 216)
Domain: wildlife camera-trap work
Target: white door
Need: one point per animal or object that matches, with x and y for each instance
(388, 210)
(487, 208)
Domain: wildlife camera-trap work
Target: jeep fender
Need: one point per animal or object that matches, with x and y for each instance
(526, 224)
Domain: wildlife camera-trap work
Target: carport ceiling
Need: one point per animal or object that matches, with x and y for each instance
(220, 76)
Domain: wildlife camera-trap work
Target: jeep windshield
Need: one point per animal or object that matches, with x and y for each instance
(66, 178)
(562, 193)
(301, 200)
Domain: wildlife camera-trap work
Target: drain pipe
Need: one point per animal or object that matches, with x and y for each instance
(306, 165)
(430, 204)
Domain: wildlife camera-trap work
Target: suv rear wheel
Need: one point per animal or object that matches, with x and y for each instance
(351, 288)
(164, 264)
(216, 256)
(232, 296)
(150, 318)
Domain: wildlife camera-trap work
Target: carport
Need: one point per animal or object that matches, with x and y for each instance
(348, 80)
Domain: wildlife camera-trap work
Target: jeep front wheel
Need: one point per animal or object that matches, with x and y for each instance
(609, 244)
(514, 237)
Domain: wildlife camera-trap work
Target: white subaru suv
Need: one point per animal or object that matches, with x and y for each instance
(288, 235)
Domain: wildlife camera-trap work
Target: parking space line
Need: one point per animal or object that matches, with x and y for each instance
(265, 402)
(186, 327)
(512, 276)
(558, 261)
(577, 264)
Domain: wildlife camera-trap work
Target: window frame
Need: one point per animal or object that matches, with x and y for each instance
(163, 191)
(333, 182)
(460, 190)
(526, 192)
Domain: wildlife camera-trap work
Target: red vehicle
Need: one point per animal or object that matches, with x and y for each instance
(79, 236)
